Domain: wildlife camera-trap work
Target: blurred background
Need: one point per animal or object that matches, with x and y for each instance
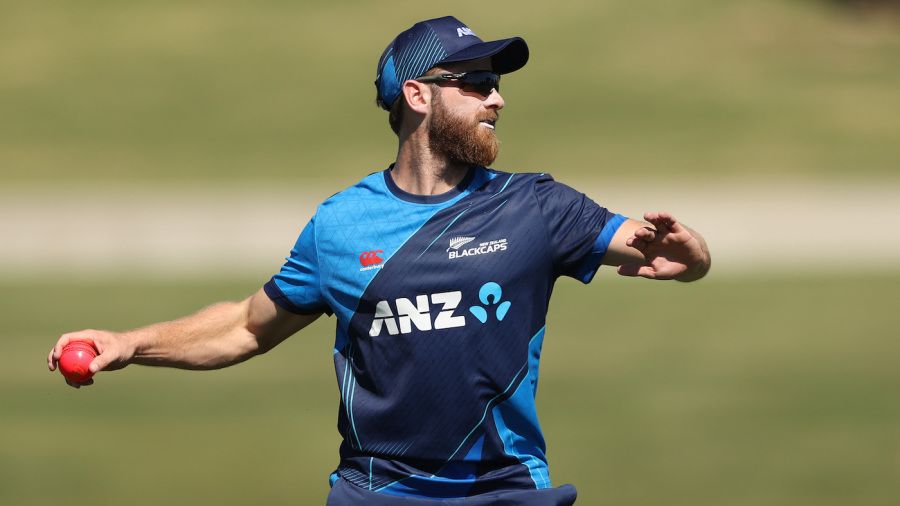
(156, 157)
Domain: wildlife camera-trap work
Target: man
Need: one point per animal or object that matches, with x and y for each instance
(439, 272)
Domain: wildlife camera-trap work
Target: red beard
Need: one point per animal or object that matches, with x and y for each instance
(461, 139)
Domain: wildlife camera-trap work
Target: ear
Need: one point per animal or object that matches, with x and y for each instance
(418, 96)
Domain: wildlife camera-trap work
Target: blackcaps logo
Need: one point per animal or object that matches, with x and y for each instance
(456, 249)
(459, 242)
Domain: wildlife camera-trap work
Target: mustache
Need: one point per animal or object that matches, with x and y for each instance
(492, 116)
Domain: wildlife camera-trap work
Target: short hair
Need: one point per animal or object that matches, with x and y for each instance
(395, 113)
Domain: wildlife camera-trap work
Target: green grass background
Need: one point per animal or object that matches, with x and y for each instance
(778, 391)
(735, 391)
(201, 90)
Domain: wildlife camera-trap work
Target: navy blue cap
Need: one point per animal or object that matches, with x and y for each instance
(441, 40)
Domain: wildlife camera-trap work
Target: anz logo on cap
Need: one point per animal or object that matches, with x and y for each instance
(465, 30)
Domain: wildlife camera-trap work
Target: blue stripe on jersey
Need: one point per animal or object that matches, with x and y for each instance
(522, 438)
(508, 180)
(456, 482)
(458, 216)
(348, 397)
(587, 269)
(517, 423)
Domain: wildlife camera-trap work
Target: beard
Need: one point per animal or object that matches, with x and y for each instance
(462, 139)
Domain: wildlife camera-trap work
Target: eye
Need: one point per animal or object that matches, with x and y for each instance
(482, 84)
(480, 88)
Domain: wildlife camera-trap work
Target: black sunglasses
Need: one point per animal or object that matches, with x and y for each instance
(482, 82)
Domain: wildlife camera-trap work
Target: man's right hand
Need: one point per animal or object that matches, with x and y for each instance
(217, 336)
(114, 351)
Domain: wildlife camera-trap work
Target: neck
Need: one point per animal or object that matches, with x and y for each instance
(421, 171)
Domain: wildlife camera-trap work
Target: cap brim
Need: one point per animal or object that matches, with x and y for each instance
(507, 55)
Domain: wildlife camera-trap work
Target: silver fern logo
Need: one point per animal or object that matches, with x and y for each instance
(458, 242)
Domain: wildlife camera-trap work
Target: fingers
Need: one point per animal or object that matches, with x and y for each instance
(664, 221)
(83, 335)
(641, 238)
(634, 270)
(56, 351)
(646, 234)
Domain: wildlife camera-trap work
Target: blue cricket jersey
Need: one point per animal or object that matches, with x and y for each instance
(441, 304)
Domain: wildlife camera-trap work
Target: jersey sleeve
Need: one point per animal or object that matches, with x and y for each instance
(297, 286)
(579, 229)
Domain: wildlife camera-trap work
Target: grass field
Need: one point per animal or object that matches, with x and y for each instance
(199, 90)
(755, 391)
(736, 391)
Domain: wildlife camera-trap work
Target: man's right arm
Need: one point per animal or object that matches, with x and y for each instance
(218, 336)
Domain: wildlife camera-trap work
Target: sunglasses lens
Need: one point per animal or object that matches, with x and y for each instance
(482, 82)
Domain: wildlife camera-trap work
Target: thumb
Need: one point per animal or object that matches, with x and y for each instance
(100, 362)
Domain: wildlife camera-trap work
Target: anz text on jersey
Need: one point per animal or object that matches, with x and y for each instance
(419, 314)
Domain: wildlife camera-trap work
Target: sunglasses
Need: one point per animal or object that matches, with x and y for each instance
(482, 82)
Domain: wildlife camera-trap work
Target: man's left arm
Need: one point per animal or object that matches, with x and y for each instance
(661, 248)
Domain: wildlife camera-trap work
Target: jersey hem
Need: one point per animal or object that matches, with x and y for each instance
(593, 262)
(278, 297)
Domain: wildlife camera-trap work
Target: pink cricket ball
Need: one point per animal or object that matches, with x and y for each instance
(76, 359)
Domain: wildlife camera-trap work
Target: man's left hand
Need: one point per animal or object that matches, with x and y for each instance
(671, 250)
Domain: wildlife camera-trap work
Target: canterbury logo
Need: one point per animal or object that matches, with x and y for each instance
(458, 242)
(368, 258)
(464, 31)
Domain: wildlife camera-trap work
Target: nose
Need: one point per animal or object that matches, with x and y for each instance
(494, 100)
